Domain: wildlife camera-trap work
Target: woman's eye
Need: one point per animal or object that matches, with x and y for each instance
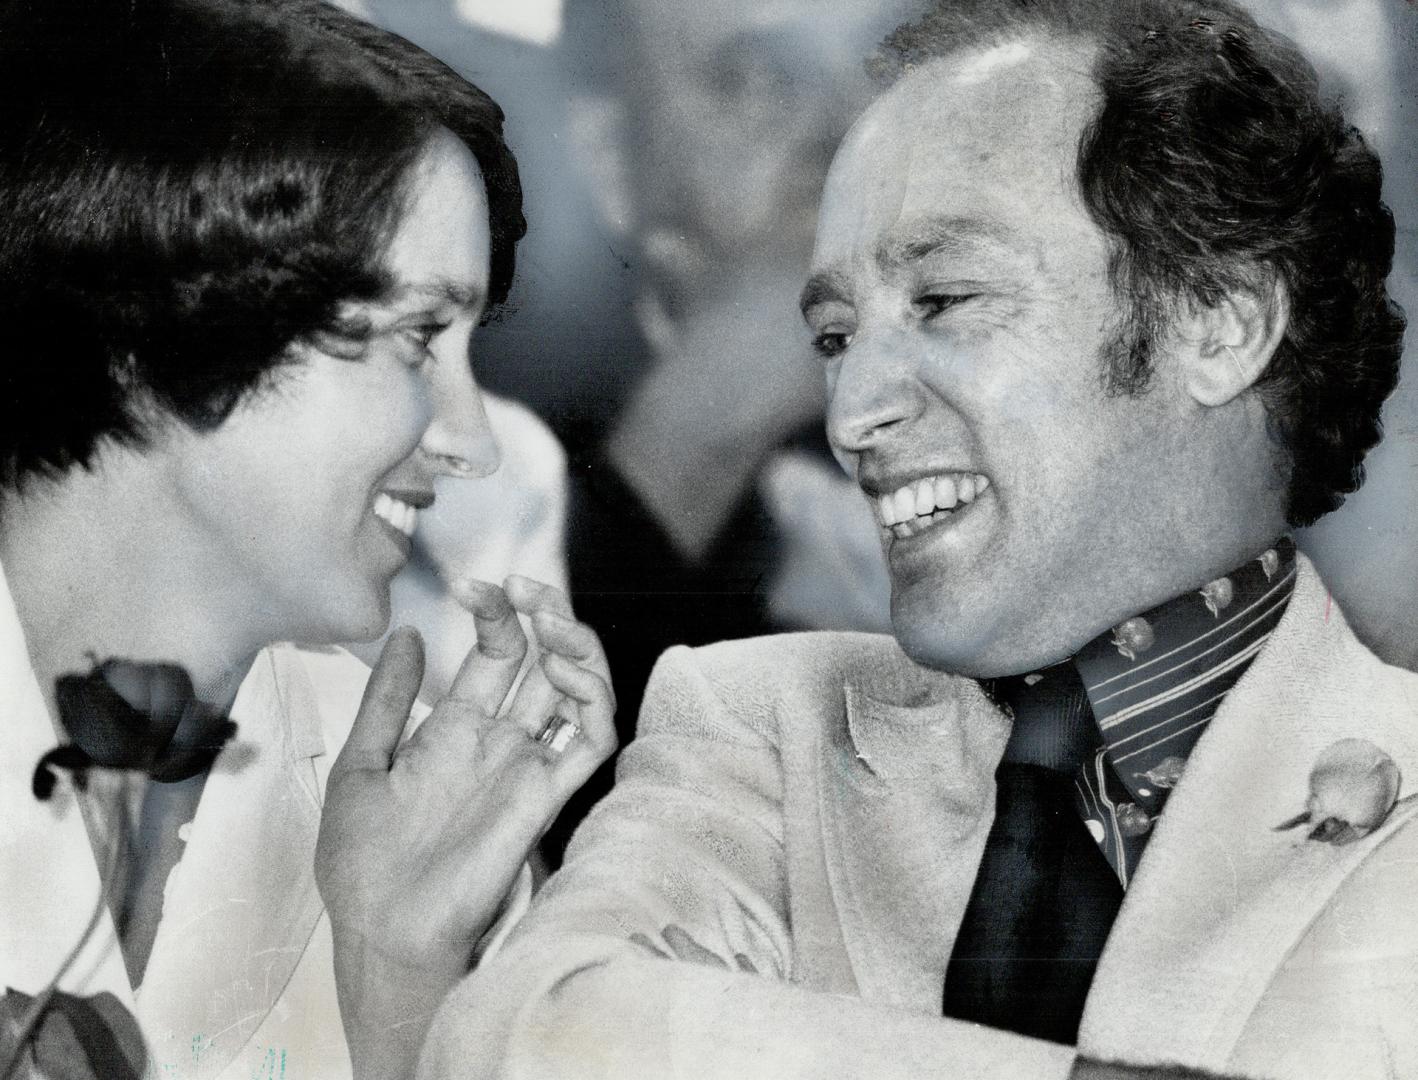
(421, 337)
(933, 304)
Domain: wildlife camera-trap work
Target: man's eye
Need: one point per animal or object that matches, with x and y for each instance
(932, 304)
(830, 344)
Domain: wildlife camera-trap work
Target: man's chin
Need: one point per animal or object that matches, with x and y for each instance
(946, 642)
(952, 652)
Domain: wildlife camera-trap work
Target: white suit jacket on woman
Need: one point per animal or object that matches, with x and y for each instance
(819, 804)
(239, 984)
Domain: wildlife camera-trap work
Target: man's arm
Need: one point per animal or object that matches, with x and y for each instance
(691, 836)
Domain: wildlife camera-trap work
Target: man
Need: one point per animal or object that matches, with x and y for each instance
(1100, 294)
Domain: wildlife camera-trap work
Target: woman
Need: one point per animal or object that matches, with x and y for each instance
(243, 250)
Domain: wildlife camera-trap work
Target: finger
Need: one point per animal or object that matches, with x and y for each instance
(528, 596)
(645, 943)
(384, 710)
(594, 713)
(491, 666)
(686, 948)
(536, 702)
(572, 639)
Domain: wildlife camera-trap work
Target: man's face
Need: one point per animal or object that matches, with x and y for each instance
(961, 301)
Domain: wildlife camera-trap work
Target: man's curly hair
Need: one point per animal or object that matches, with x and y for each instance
(1212, 163)
(187, 187)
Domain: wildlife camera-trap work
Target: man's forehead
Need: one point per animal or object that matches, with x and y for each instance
(954, 138)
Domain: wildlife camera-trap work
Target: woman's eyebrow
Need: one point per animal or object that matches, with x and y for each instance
(442, 292)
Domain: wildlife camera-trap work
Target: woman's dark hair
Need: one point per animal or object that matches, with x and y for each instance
(189, 186)
(1212, 163)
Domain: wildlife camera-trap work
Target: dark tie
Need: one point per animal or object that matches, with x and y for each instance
(1045, 897)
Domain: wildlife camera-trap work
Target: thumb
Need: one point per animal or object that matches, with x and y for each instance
(388, 697)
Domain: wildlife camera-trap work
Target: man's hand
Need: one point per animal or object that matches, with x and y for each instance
(420, 842)
(679, 945)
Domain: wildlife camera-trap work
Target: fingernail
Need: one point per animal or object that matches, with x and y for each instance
(486, 598)
(472, 586)
(403, 636)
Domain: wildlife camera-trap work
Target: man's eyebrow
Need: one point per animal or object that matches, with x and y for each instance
(947, 235)
(823, 286)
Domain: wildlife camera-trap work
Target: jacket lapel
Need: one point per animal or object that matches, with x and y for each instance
(1220, 899)
(906, 803)
(49, 882)
(242, 903)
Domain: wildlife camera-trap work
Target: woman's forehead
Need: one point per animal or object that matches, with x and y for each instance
(441, 242)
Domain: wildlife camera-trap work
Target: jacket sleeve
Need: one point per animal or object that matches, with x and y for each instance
(691, 836)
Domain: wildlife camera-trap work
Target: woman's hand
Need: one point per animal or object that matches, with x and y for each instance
(420, 843)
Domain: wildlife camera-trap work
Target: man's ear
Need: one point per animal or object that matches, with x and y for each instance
(1223, 348)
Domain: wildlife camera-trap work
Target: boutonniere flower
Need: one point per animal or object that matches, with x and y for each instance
(1353, 787)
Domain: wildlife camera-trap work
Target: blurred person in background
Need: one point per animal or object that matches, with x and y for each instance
(708, 507)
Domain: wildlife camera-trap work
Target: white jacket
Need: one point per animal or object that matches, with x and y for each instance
(819, 804)
(239, 984)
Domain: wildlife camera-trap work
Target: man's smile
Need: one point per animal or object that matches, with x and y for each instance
(919, 504)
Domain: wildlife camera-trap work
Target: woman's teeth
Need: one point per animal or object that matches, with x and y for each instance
(911, 508)
(398, 514)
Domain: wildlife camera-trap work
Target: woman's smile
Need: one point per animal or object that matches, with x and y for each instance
(399, 515)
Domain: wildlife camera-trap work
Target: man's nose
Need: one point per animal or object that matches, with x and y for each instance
(458, 440)
(874, 392)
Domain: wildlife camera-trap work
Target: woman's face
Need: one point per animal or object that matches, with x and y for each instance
(299, 507)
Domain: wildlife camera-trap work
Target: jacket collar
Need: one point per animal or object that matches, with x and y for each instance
(1219, 901)
(49, 882)
(242, 903)
(906, 804)
(1222, 898)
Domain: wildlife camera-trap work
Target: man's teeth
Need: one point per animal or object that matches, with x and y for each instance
(915, 505)
(397, 513)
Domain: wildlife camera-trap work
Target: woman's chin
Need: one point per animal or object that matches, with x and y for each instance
(350, 623)
(373, 625)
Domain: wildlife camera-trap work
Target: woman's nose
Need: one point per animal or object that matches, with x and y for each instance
(459, 441)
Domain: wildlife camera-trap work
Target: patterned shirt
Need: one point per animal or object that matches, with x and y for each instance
(1126, 711)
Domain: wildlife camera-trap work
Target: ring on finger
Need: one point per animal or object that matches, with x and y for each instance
(558, 732)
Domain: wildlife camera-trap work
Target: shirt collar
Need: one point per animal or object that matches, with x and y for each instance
(1124, 713)
(1155, 680)
(1145, 689)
